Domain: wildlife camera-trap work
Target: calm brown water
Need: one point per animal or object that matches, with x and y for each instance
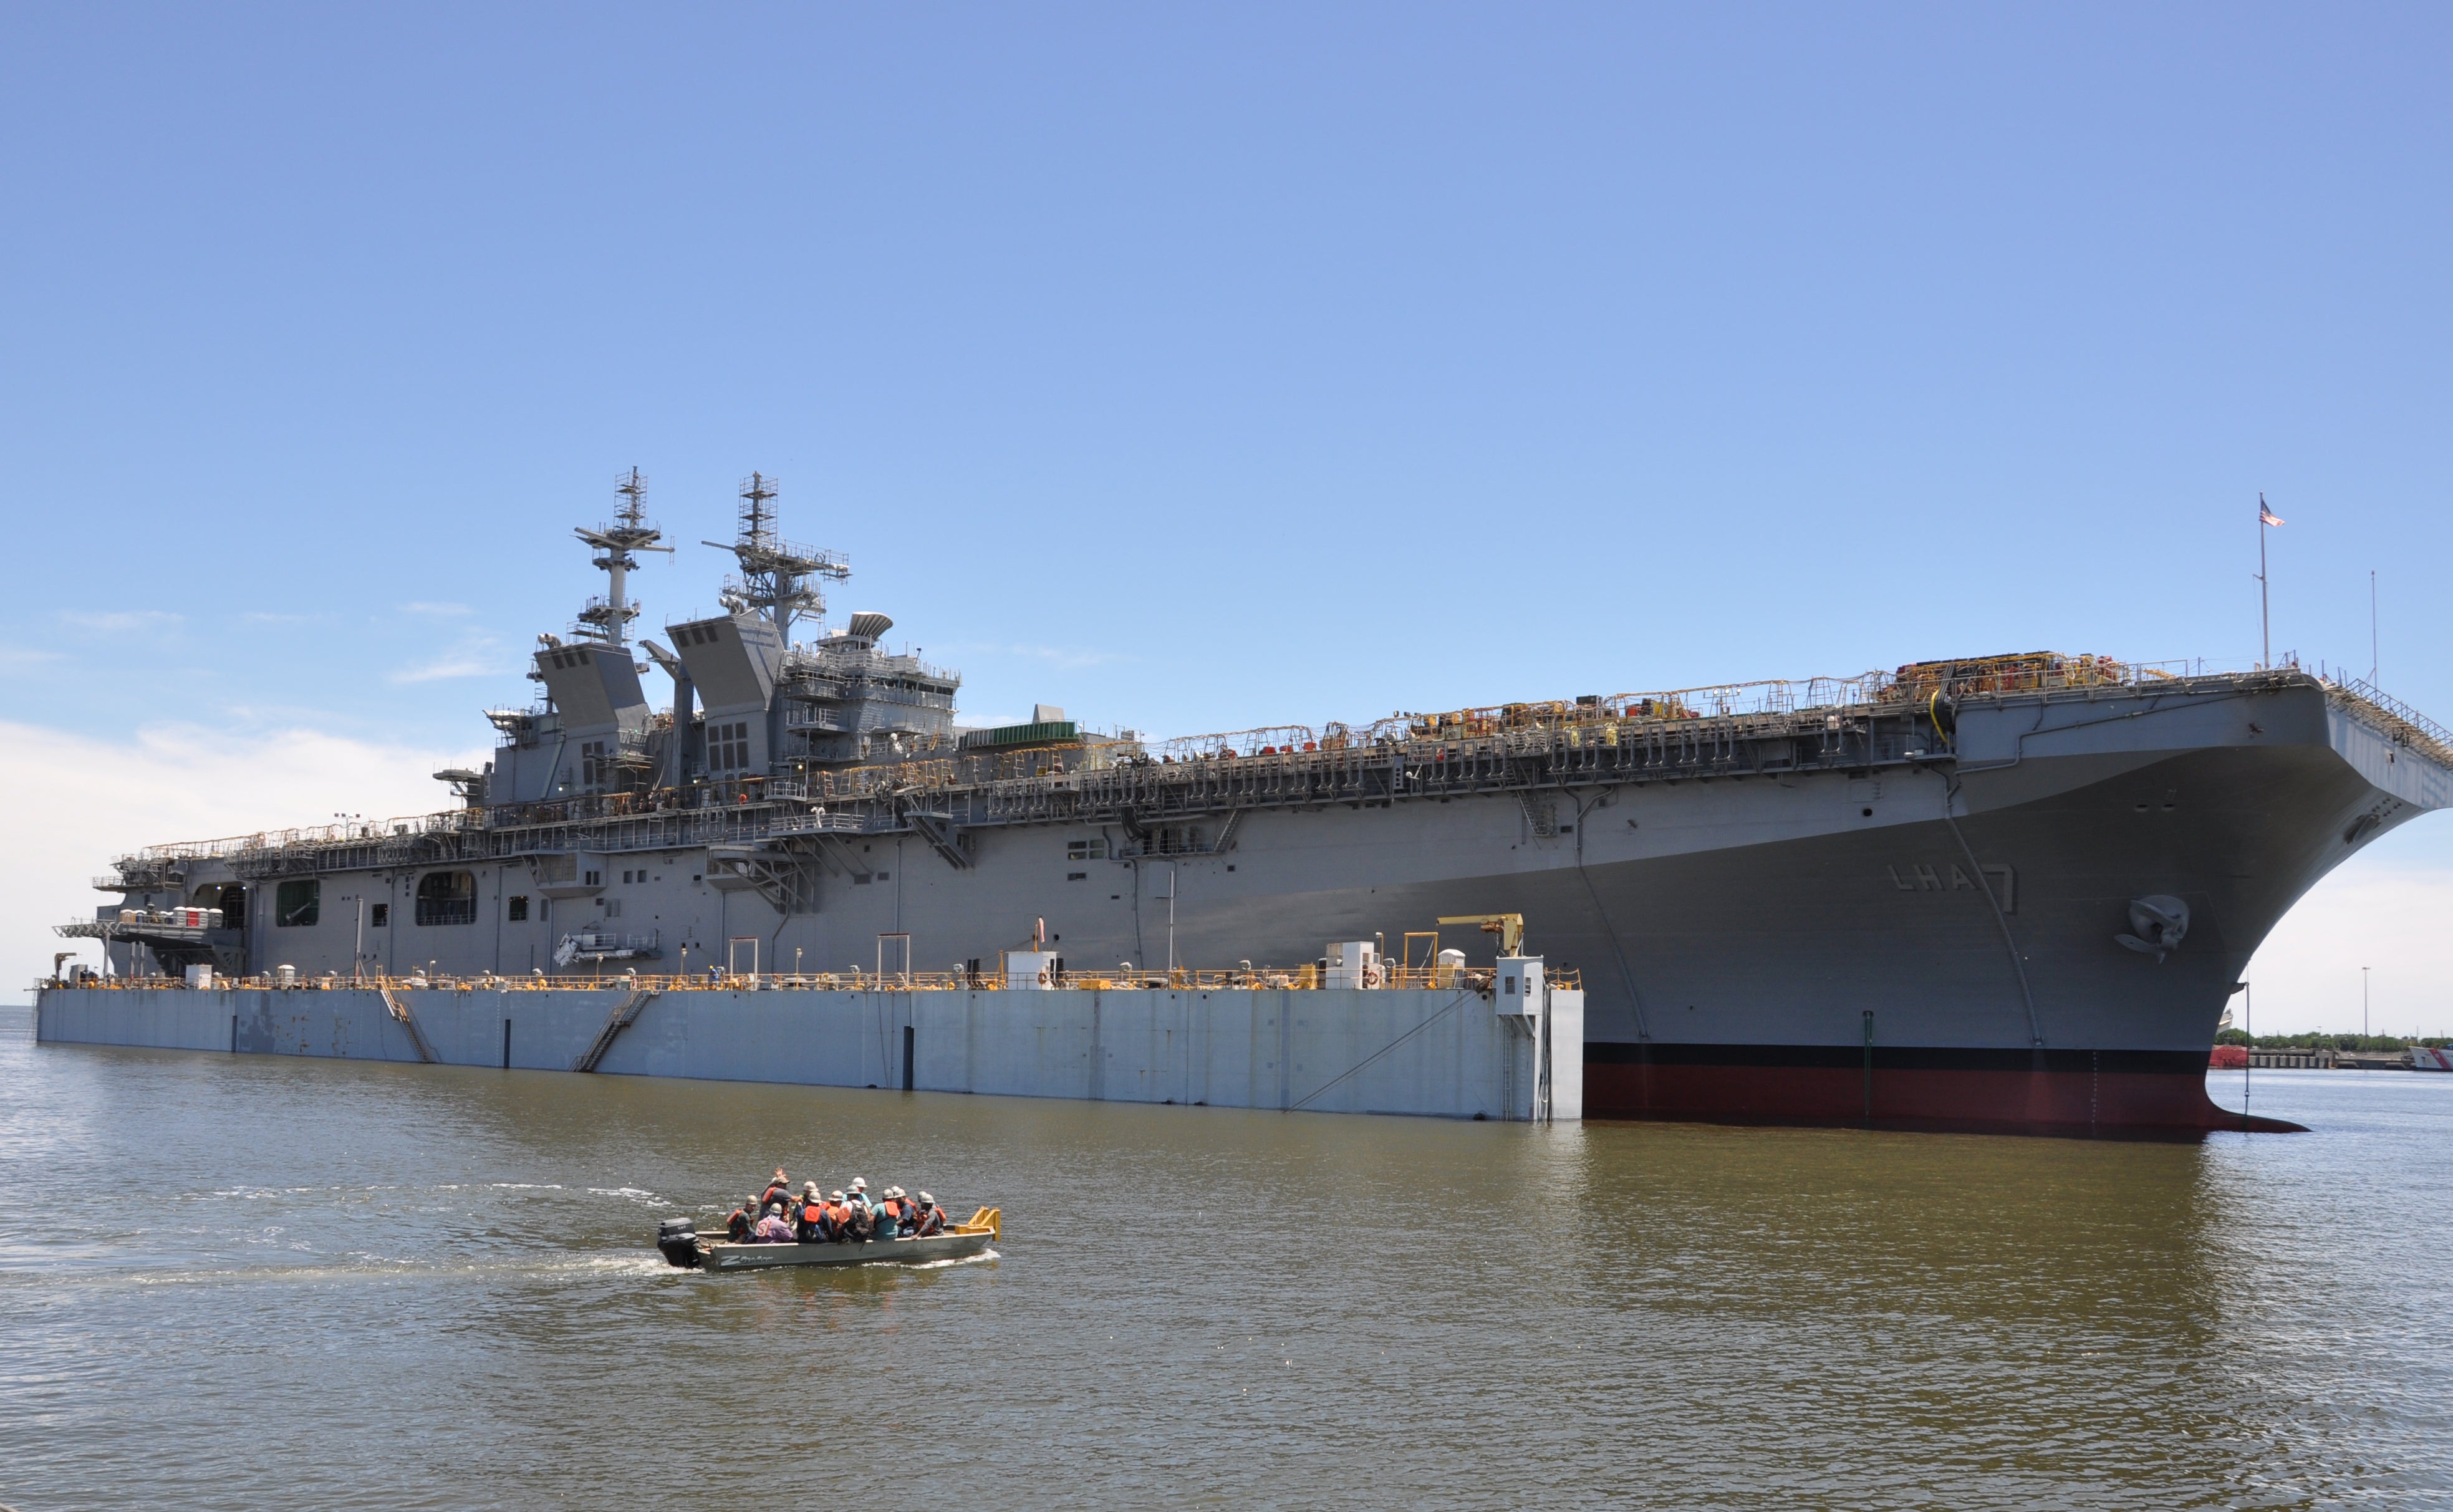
(246, 1283)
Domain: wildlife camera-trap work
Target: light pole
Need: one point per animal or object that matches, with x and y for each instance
(1171, 872)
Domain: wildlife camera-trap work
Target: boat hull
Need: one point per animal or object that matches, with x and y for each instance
(730, 1256)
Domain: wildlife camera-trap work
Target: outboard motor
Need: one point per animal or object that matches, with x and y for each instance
(678, 1239)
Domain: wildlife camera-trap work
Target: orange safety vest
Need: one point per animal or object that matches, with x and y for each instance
(893, 1210)
(812, 1213)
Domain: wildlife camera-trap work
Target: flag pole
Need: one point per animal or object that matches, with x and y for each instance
(2264, 617)
(2264, 613)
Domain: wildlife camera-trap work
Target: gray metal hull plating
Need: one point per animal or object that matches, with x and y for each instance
(1811, 945)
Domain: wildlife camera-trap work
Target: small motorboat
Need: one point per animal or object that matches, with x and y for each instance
(678, 1239)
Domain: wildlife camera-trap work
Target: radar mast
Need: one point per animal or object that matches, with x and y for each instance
(608, 618)
(778, 577)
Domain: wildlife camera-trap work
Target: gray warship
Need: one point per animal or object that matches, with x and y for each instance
(2010, 891)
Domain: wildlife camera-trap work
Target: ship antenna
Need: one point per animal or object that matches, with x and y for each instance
(607, 619)
(777, 576)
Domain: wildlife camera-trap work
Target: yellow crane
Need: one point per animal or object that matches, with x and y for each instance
(1509, 927)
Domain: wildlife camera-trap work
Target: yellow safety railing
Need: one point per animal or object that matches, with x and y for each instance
(1304, 979)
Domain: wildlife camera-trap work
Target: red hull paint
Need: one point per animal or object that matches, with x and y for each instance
(2136, 1104)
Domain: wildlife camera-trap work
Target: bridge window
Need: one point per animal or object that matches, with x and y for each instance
(297, 901)
(379, 916)
(446, 897)
(516, 907)
(1085, 850)
(727, 746)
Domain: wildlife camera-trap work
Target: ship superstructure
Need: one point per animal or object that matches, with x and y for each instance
(2014, 890)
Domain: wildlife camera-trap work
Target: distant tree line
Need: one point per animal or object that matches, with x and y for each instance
(2325, 1041)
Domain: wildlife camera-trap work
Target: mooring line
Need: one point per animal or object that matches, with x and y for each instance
(1376, 1054)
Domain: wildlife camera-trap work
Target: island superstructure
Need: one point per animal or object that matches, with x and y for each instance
(2016, 890)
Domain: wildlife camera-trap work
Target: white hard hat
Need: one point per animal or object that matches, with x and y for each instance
(858, 1184)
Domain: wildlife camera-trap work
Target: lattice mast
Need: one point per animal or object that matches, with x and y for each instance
(607, 619)
(778, 578)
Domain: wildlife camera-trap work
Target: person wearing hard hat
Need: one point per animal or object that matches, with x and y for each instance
(933, 1218)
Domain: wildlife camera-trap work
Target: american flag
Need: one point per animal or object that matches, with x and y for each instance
(2265, 515)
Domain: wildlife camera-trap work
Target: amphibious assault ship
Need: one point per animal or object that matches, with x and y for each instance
(2005, 892)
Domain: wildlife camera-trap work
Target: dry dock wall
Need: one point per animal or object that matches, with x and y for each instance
(1441, 1053)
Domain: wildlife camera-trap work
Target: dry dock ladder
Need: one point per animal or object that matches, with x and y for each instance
(625, 1013)
(407, 1021)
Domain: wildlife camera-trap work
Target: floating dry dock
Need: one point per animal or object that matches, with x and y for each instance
(1497, 1044)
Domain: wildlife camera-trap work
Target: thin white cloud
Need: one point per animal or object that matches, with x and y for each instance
(1054, 655)
(2371, 913)
(27, 656)
(117, 621)
(260, 617)
(476, 659)
(443, 611)
(108, 797)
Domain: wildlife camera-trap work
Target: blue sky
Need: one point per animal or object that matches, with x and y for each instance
(1197, 368)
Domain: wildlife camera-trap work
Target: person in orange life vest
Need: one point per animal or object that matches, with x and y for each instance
(838, 1218)
(742, 1221)
(933, 1218)
(778, 1190)
(860, 1220)
(807, 1214)
(889, 1213)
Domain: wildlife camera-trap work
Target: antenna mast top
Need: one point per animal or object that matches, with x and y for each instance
(778, 577)
(606, 619)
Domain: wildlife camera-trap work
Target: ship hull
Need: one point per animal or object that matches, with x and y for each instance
(2145, 1095)
(1928, 943)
